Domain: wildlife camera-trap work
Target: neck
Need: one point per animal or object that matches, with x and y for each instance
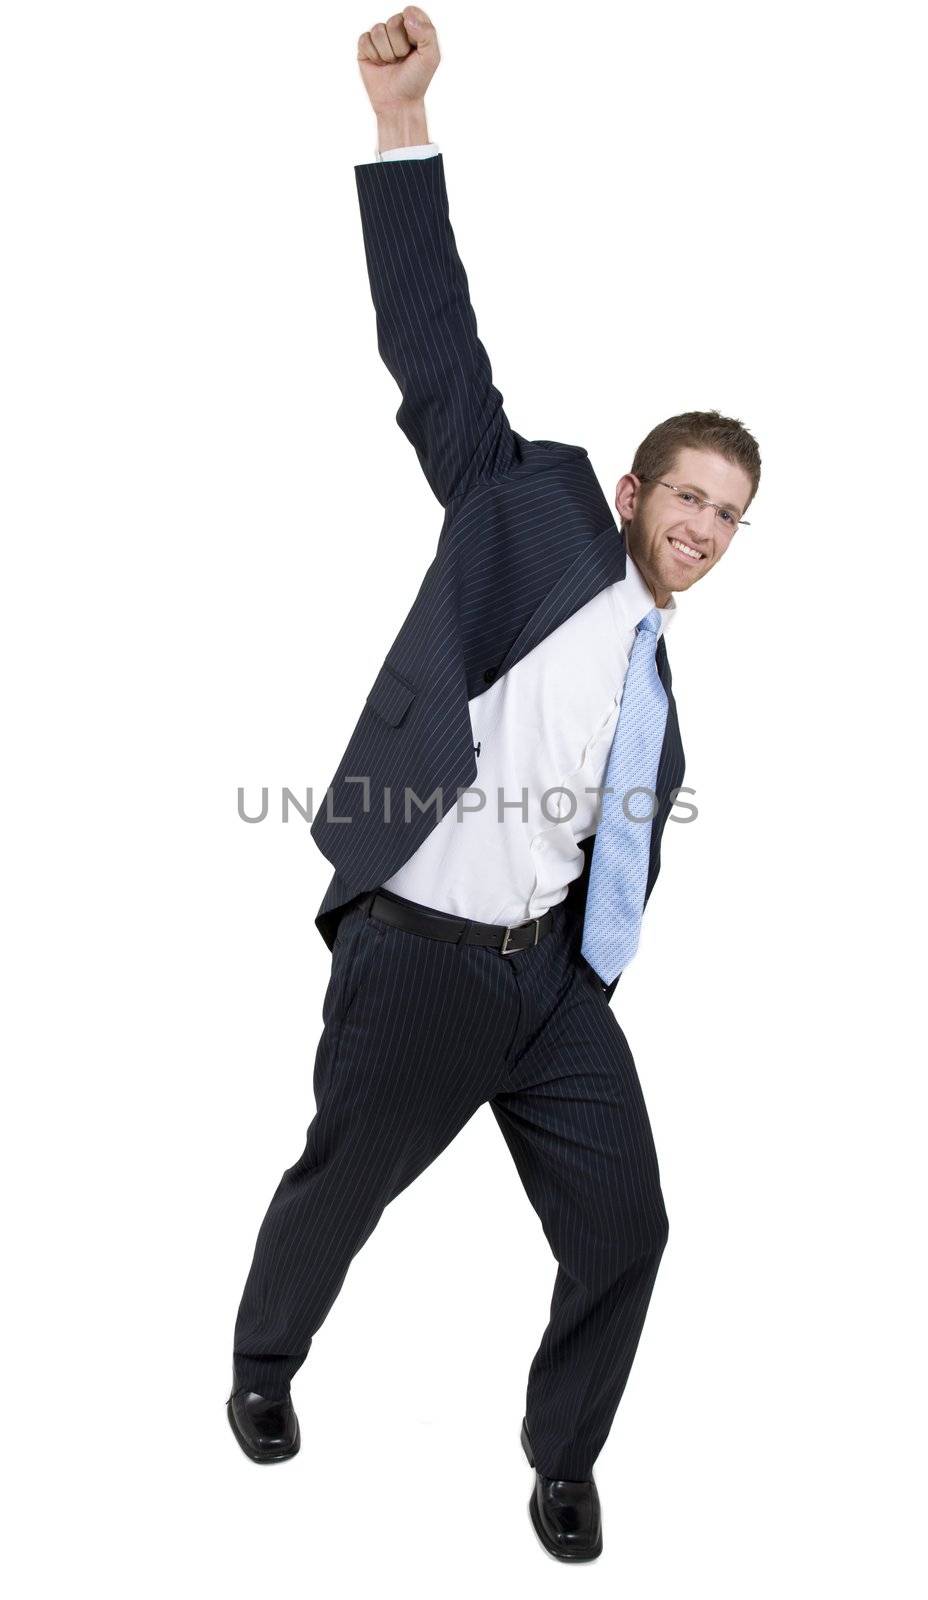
(660, 599)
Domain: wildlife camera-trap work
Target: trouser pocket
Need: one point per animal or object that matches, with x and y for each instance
(358, 934)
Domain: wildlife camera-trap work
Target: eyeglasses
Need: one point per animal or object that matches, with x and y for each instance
(688, 497)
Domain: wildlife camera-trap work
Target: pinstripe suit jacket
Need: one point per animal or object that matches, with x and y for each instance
(527, 538)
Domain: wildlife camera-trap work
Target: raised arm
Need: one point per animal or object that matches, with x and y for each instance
(451, 411)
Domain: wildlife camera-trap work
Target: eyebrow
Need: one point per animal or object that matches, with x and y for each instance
(727, 505)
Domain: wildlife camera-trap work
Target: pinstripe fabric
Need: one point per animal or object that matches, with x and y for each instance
(417, 1036)
(527, 538)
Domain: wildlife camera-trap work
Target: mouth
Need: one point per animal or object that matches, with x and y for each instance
(685, 552)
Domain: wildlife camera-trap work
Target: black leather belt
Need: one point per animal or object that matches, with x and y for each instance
(407, 914)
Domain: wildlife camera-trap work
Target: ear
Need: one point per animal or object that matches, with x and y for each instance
(627, 493)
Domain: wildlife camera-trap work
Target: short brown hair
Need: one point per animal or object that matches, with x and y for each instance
(698, 430)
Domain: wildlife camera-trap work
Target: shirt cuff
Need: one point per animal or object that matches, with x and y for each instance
(405, 152)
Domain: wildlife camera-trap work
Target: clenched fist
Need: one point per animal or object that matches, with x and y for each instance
(397, 59)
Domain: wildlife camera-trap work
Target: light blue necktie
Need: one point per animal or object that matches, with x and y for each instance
(619, 868)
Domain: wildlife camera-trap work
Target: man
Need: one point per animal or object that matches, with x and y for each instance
(495, 827)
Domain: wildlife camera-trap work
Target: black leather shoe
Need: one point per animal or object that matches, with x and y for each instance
(267, 1430)
(565, 1515)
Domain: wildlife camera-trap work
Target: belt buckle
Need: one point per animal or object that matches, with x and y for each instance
(504, 950)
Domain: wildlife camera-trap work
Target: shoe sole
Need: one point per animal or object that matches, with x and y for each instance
(255, 1455)
(535, 1515)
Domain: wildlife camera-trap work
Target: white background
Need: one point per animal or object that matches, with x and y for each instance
(212, 530)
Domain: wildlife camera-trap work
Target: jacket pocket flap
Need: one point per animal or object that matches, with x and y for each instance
(390, 697)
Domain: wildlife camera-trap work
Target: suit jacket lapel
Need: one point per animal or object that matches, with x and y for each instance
(600, 563)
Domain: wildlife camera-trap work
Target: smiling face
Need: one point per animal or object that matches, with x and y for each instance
(659, 523)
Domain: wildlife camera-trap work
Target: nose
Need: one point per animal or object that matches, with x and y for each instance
(700, 523)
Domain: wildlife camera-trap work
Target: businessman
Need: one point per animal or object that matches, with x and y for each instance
(494, 827)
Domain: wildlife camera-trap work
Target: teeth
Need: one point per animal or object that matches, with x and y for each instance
(688, 548)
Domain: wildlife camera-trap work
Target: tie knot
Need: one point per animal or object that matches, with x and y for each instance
(652, 622)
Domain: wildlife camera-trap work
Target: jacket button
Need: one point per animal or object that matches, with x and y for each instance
(489, 675)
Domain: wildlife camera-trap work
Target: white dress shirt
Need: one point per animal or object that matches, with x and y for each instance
(404, 152)
(542, 733)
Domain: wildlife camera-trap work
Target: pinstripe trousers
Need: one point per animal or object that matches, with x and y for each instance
(417, 1035)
